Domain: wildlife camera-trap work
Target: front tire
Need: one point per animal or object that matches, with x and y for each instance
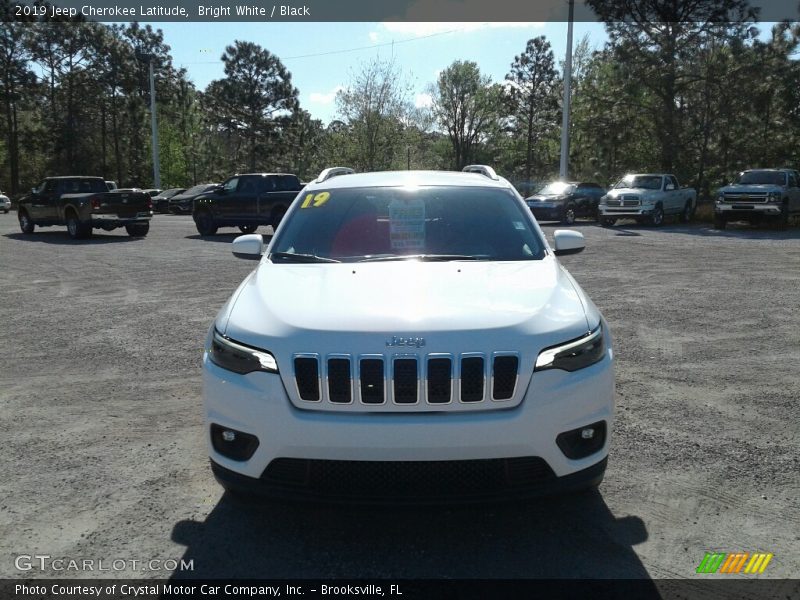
(248, 228)
(568, 215)
(25, 224)
(686, 215)
(137, 229)
(205, 223)
(277, 217)
(656, 218)
(76, 229)
(607, 221)
(783, 219)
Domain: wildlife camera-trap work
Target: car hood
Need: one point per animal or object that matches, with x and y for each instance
(455, 306)
(546, 198)
(639, 190)
(752, 187)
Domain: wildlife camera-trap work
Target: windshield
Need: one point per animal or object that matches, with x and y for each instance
(761, 178)
(647, 182)
(429, 223)
(198, 189)
(557, 188)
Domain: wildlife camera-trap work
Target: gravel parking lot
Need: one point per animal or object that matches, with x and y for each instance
(104, 443)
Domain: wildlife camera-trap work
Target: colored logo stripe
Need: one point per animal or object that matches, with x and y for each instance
(758, 563)
(733, 562)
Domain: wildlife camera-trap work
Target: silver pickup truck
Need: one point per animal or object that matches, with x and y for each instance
(647, 198)
(757, 194)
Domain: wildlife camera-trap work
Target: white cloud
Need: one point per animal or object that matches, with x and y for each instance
(324, 97)
(423, 100)
(423, 29)
(374, 36)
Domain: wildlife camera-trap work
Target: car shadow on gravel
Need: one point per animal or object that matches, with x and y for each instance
(562, 537)
(733, 230)
(61, 238)
(226, 237)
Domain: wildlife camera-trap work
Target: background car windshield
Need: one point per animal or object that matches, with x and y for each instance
(363, 223)
(555, 188)
(762, 178)
(647, 182)
(198, 189)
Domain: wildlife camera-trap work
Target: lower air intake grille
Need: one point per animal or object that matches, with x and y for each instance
(408, 479)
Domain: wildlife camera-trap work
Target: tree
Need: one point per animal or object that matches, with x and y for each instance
(256, 92)
(532, 94)
(15, 76)
(466, 105)
(373, 107)
(653, 39)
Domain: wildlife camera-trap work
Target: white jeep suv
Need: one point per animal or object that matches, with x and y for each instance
(408, 336)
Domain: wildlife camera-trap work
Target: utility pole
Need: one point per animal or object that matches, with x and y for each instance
(564, 169)
(148, 58)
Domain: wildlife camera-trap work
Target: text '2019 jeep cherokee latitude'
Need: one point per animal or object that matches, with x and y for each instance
(408, 335)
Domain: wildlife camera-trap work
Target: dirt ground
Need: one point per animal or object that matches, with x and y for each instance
(103, 429)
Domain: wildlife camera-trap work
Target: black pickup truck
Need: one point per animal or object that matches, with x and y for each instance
(246, 201)
(83, 204)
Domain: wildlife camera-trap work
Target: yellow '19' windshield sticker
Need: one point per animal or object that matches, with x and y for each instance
(315, 200)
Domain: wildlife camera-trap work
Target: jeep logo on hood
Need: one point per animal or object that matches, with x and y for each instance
(416, 342)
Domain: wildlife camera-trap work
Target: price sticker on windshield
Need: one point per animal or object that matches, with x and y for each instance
(315, 200)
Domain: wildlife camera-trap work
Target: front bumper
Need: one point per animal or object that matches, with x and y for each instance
(626, 211)
(555, 402)
(743, 210)
(547, 213)
(180, 209)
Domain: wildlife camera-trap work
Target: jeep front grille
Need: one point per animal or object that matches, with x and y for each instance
(406, 381)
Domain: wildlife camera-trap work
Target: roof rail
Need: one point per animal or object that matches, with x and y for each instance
(485, 170)
(333, 172)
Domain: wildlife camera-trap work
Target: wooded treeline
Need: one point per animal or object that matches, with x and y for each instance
(685, 87)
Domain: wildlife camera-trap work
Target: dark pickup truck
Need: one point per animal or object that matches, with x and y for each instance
(83, 204)
(246, 201)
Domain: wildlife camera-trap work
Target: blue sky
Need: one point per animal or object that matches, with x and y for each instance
(420, 49)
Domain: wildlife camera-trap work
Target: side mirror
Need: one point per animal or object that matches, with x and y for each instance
(249, 246)
(669, 187)
(568, 242)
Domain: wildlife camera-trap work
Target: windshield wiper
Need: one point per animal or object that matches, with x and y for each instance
(426, 257)
(302, 258)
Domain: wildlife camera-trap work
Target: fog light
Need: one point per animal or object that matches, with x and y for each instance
(233, 444)
(581, 442)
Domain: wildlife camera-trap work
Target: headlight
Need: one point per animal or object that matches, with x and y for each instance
(720, 198)
(239, 358)
(775, 197)
(574, 355)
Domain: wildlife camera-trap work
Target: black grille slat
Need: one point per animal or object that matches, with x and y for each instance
(409, 479)
(306, 371)
(440, 380)
(504, 373)
(405, 380)
(371, 380)
(472, 379)
(339, 380)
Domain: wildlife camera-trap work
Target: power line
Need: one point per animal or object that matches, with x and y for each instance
(343, 51)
